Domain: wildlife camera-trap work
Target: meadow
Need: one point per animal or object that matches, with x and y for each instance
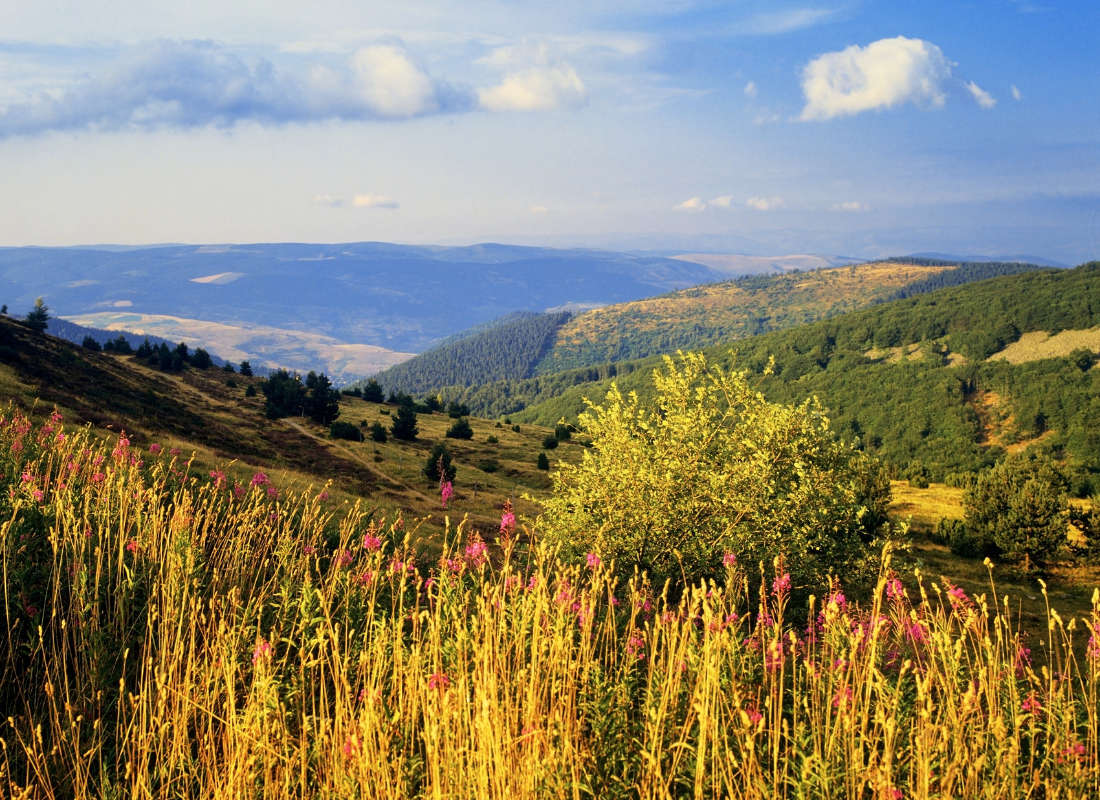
(175, 632)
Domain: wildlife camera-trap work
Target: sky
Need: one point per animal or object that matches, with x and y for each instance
(844, 127)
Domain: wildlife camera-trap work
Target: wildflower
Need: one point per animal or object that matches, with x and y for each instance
(38, 495)
(262, 652)
(446, 490)
(273, 492)
(260, 479)
(958, 597)
(1092, 650)
(507, 519)
(896, 794)
(366, 578)
(635, 646)
(219, 477)
(27, 477)
(592, 560)
(175, 451)
(155, 449)
(455, 565)
(773, 658)
(839, 600)
(133, 547)
(350, 746)
(533, 583)
(438, 680)
(56, 417)
(309, 549)
(60, 437)
(323, 496)
(371, 543)
(1023, 660)
(753, 714)
(477, 552)
(843, 698)
(239, 491)
(729, 560)
(345, 558)
(1031, 704)
(781, 585)
(894, 589)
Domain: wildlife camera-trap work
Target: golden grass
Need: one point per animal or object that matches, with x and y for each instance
(1038, 345)
(169, 636)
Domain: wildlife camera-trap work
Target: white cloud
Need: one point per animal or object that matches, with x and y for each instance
(694, 205)
(883, 74)
(984, 98)
(538, 209)
(536, 89)
(784, 21)
(1016, 93)
(725, 201)
(750, 89)
(764, 204)
(328, 200)
(849, 206)
(166, 83)
(373, 201)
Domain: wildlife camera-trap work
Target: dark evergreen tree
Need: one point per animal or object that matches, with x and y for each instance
(378, 432)
(227, 367)
(250, 391)
(404, 423)
(460, 430)
(246, 369)
(345, 430)
(177, 361)
(164, 357)
(550, 442)
(372, 392)
(91, 344)
(439, 464)
(38, 318)
(121, 345)
(433, 403)
(456, 410)
(323, 402)
(200, 359)
(145, 349)
(543, 462)
(284, 395)
(183, 352)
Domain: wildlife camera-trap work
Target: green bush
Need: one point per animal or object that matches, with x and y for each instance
(90, 344)
(515, 429)
(439, 456)
(345, 430)
(712, 468)
(489, 465)
(1020, 506)
(378, 432)
(543, 462)
(562, 432)
(550, 442)
(250, 391)
(492, 439)
(404, 424)
(460, 430)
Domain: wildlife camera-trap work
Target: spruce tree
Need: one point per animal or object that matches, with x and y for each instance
(323, 403)
(404, 423)
(38, 318)
(246, 369)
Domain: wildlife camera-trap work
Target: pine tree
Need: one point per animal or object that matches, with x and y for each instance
(200, 359)
(323, 403)
(38, 318)
(90, 344)
(373, 393)
(246, 369)
(404, 423)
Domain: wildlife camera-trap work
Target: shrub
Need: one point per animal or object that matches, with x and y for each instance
(438, 456)
(456, 410)
(378, 432)
(227, 367)
(460, 430)
(1020, 506)
(345, 430)
(250, 391)
(120, 345)
(712, 468)
(9, 353)
(550, 442)
(404, 424)
(90, 344)
(963, 541)
(1082, 358)
(543, 462)
(433, 403)
(492, 439)
(232, 384)
(489, 465)
(562, 432)
(515, 429)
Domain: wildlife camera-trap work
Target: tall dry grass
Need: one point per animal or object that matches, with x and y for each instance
(169, 635)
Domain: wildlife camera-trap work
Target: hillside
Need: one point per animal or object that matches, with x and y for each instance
(207, 414)
(911, 378)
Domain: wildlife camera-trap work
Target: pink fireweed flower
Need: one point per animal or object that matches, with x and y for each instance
(260, 479)
(635, 646)
(38, 495)
(309, 549)
(843, 698)
(477, 553)
(219, 477)
(344, 558)
(957, 595)
(1092, 650)
(754, 715)
(56, 417)
(60, 438)
(239, 491)
(1031, 705)
(366, 578)
(729, 560)
(507, 520)
(894, 589)
(446, 491)
(781, 585)
(133, 547)
(592, 560)
(323, 496)
(155, 449)
(27, 478)
(262, 652)
(839, 599)
(175, 451)
(273, 492)
(438, 680)
(371, 543)
(1023, 660)
(350, 747)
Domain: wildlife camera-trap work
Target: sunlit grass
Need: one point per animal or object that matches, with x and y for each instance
(171, 634)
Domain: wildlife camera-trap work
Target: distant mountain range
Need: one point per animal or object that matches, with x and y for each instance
(304, 305)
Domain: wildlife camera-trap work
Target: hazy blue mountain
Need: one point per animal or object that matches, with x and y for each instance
(396, 296)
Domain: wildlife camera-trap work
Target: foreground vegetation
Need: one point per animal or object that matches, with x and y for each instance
(173, 634)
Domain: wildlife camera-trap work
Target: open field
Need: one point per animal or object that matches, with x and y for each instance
(1037, 345)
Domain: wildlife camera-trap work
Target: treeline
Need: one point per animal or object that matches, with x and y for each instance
(923, 412)
(506, 350)
(963, 273)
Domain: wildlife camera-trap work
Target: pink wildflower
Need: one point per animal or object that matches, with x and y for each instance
(592, 560)
(371, 543)
(260, 479)
(729, 560)
(273, 492)
(1031, 704)
(635, 646)
(323, 496)
(894, 589)
(350, 747)
(38, 496)
(345, 558)
(781, 585)
(60, 437)
(477, 552)
(219, 477)
(239, 491)
(56, 417)
(1023, 660)
(309, 549)
(27, 477)
(133, 547)
(507, 519)
(262, 652)
(1092, 650)
(754, 715)
(957, 595)
(155, 449)
(843, 698)
(175, 451)
(446, 491)
(438, 680)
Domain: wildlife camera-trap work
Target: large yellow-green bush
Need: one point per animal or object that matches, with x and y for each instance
(713, 468)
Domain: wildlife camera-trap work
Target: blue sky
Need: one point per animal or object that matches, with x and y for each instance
(854, 128)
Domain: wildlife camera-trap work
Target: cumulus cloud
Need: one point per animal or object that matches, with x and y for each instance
(984, 98)
(1016, 93)
(693, 205)
(167, 83)
(750, 89)
(764, 204)
(883, 74)
(725, 201)
(373, 201)
(850, 206)
(537, 78)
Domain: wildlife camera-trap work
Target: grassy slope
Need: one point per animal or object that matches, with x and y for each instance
(722, 312)
(197, 412)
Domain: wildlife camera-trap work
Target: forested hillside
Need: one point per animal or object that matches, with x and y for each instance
(961, 274)
(508, 349)
(911, 380)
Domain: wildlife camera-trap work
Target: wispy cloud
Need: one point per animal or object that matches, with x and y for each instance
(883, 74)
(984, 98)
(693, 205)
(765, 204)
(770, 23)
(750, 89)
(1016, 93)
(851, 205)
(725, 201)
(358, 201)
